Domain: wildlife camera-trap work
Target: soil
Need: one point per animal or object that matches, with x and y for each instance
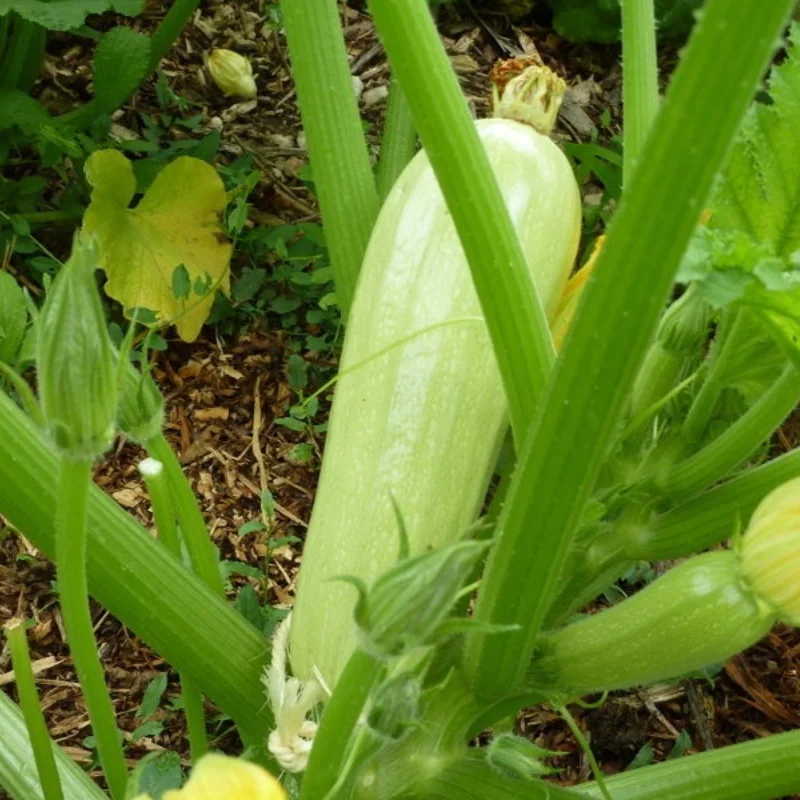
(224, 395)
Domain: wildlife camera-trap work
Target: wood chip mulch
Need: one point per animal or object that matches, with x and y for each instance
(224, 398)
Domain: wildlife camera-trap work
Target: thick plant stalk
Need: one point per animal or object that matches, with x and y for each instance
(34, 719)
(340, 717)
(132, 576)
(193, 526)
(73, 493)
(153, 473)
(760, 770)
(713, 516)
(639, 78)
(399, 140)
(17, 774)
(514, 314)
(343, 177)
(577, 420)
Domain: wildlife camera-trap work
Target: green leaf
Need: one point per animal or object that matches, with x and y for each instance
(141, 247)
(643, 758)
(181, 282)
(66, 14)
(297, 372)
(750, 253)
(253, 526)
(20, 110)
(599, 20)
(152, 696)
(155, 774)
(13, 317)
(149, 728)
(121, 63)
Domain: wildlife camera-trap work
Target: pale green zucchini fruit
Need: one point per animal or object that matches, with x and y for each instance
(422, 423)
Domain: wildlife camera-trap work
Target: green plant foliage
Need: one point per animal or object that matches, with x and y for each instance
(141, 248)
(66, 14)
(121, 63)
(13, 317)
(749, 254)
(599, 20)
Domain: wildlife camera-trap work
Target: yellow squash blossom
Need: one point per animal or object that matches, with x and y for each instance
(218, 777)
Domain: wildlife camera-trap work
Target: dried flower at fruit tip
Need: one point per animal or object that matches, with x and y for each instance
(233, 73)
(219, 777)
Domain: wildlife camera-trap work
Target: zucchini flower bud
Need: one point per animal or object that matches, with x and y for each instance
(75, 360)
(232, 73)
(407, 605)
(141, 406)
(770, 551)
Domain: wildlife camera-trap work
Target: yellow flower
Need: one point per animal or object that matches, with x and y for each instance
(218, 777)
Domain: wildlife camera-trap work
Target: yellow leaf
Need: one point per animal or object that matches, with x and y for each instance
(171, 240)
(218, 777)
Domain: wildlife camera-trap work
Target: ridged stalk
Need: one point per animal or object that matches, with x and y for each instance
(193, 526)
(577, 420)
(17, 774)
(343, 177)
(763, 769)
(639, 78)
(73, 494)
(164, 516)
(713, 516)
(41, 744)
(399, 140)
(339, 719)
(513, 313)
(130, 574)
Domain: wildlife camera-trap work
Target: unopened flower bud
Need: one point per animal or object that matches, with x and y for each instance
(140, 415)
(770, 551)
(232, 73)
(520, 758)
(407, 604)
(75, 360)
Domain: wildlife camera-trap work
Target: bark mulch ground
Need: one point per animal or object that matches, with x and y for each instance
(224, 395)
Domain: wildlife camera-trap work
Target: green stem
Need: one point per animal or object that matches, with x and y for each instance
(16, 759)
(513, 313)
(34, 719)
(164, 515)
(399, 140)
(343, 176)
(22, 39)
(639, 78)
(705, 402)
(577, 420)
(338, 723)
(713, 516)
(738, 442)
(587, 751)
(73, 492)
(193, 527)
(471, 778)
(758, 770)
(145, 588)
